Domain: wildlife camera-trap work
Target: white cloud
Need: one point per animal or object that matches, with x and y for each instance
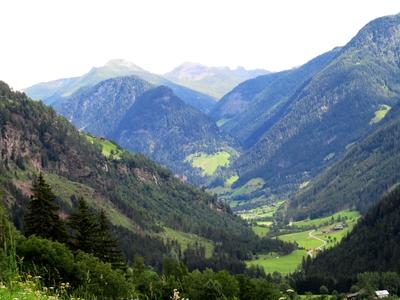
(44, 40)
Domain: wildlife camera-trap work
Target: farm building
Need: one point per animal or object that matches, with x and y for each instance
(382, 294)
(338, 227)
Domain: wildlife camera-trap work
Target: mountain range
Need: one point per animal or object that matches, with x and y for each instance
(213, 81)
(296, 145)
(288, 129)
(143, 201)
(57, 90)
(146, 119)
(296, 133)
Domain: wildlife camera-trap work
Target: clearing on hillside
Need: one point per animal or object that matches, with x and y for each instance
(209, 163)
(380, 113)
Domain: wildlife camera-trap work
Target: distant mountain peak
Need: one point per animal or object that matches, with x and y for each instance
(122, 63)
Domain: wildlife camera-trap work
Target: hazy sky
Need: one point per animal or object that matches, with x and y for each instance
(46, 40)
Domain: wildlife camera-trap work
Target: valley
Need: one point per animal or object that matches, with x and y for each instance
(311, 236)
(204, 182)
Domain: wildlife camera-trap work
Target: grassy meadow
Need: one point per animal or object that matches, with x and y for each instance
(321, 235)
(275, 263)
(380, 114)
(108, 148)
(209, 163)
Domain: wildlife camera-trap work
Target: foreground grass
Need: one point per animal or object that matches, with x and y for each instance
(282, 264)
(185, 239)
(209, 163)
(29, 289)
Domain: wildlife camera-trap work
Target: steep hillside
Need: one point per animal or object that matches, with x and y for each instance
(372, 246)
(146, 119)
(238, 99)
(139, 196)
(214, 81)
(162, 126)
(99, 109)
(334, 108)
(367, 171)
(54, 91)
(254, 103)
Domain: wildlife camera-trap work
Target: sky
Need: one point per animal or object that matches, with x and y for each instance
(44, 40)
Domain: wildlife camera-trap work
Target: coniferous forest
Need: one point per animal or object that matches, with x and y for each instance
(200, 182)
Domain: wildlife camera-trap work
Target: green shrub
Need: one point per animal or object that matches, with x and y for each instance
(52, 261)
(100, 278)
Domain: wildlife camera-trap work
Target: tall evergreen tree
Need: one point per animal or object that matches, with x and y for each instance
(84, 228)
(107, 246)
(42, 218)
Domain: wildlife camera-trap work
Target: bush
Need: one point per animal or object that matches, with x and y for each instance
(51, 260)
(100, 278)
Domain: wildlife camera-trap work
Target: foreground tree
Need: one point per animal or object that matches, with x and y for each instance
(42, 218)
(106, 245)
(92, 234)
(84, 228)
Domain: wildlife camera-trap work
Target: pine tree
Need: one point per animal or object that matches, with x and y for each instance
(84, 228)
(106, 245)
(42, 218)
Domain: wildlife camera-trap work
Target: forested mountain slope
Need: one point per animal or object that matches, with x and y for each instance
(367, 171)
(99, 109)
(166, 129)
(139, 196)
(335, 108)
(252, 103)
(146, 119)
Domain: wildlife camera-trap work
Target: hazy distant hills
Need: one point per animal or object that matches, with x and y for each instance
(54, 91)
(313, 123)
(213, 81)
(144, 118)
